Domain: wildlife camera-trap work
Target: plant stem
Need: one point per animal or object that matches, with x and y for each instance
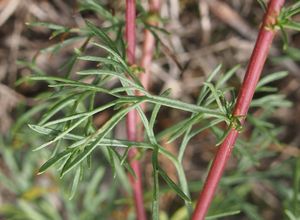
(149, 44)
(136, 182)
(257, 61)
(147, 55)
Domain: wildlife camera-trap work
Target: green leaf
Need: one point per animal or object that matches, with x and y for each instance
(271, 78)
(155, 210)
(228, 75)
(183, 106)
(186, 126)
(203, 94)
(99, 134)
(208, 125)
(217, 94)
(50, 78)
(46, 24)
(57, 47)
(30, 211)
(8, 184)
(32, 66)
(84, 86)
(292, 25)
(93, 186)
(61, 135)
(119, 41)
(125, 155)
(75, 183)
(262, 4)
(224, 135)
(103, 36)
(25, 118)
(57, 107)
(112, 73)
(90, 113)
(271, 101)
(225, 214)
(111, 159)
(155, 200)
(173, 185)
(293, 53)
(122, 163)
(154, 29)
(80, 139)
(153, 117)
(291, 11)
(284, 37)
(96, 7)
(290, 215)
(53, 161)
(107, 61)
(57, 29)
(118, 59)
(171, 130)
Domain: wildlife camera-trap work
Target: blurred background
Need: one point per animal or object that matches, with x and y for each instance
(262, 181)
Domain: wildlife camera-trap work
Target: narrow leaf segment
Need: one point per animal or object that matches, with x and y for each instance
(257, 61)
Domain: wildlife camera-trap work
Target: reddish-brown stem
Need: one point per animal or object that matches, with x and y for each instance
(136, 182)
(148, 47)
(149, 44)
(256, 64)
(147, 55)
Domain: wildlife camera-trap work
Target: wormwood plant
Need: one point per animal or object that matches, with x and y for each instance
(69, 109)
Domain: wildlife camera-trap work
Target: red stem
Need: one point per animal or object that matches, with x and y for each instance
(148, 49)
(256, 64)
(136, 182)
(149, 45)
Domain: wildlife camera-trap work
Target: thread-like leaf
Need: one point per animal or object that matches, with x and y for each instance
(80, 139)
(225, 214)
(53, 161)
(228, 75)
(61, 135)
(100, 134)
(96, 7)
(47, 25)
(189, 123)
(173, 185)
(57, 47)
(102, 35)
(103, 60)
(292, 25)
(183, 106)
(75, 183)
(57, 107)
(271, 77)
(111, 73)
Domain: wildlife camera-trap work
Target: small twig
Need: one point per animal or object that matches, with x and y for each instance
(205, 21)
(8, 10)
(230, 17)
(256, 64)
